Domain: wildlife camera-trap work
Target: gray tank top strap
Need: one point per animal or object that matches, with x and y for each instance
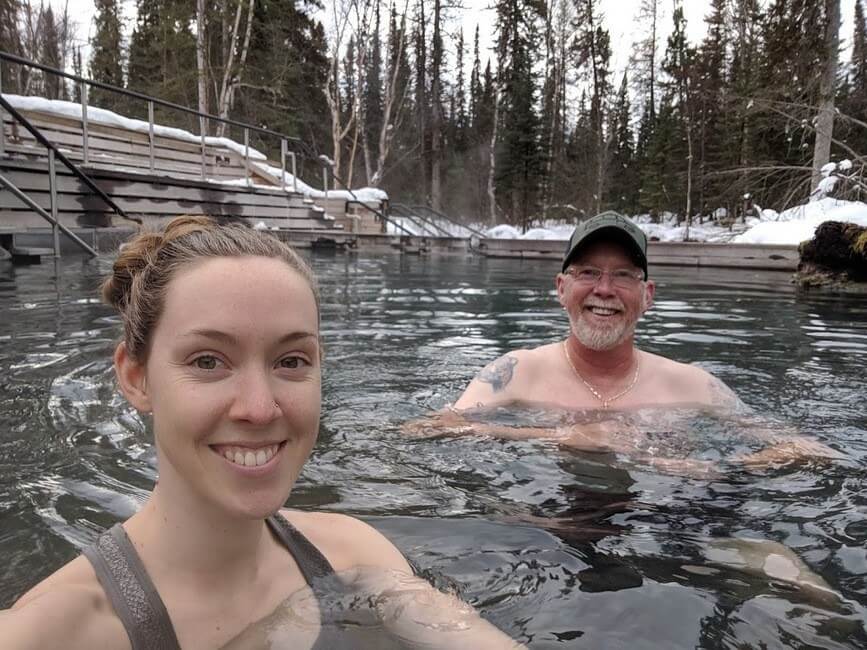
(131, 592)
(310, 561)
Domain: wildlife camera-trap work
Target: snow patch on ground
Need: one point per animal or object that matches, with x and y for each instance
(789, 227)
(799, 223)
(101, 116)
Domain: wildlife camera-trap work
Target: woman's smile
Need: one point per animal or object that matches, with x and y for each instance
(261, 457)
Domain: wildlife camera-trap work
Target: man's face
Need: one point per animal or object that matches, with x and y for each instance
(603, 313)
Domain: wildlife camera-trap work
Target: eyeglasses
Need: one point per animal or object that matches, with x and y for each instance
(591, 275)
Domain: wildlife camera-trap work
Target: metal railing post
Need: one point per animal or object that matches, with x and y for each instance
(325, 180)
(247, 155)
(2, 120)
(202, 132)
(84, 138)
(151, 137)
(52, 190)
(294, 171)
(283, 163)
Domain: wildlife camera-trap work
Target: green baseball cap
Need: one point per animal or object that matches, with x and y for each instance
(609, 226)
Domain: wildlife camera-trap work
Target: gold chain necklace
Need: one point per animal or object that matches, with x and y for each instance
(606, 402)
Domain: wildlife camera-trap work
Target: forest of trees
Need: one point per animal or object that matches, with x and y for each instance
(400, 95)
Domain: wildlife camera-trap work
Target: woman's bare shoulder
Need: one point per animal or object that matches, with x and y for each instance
(346, 541)
(68, 609)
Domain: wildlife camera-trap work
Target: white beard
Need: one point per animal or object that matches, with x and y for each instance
(601, 338)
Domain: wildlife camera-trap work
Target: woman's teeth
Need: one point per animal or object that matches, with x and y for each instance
(248, 457)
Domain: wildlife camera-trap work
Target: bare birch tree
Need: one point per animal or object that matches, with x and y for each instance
(346, 16)
(234, 60)
(828, 86)
(394, 100)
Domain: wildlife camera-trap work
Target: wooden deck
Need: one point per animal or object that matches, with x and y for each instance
(153, 183)
(694, 254)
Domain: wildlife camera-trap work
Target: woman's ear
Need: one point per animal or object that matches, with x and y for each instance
(131, 378)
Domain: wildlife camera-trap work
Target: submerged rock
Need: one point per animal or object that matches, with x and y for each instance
(836, 257)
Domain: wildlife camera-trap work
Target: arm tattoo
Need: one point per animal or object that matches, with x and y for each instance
(499, 373)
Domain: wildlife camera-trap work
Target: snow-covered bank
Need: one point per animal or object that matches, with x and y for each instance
(789, 227)
(798, 224)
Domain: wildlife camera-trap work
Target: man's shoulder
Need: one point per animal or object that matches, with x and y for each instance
(529, 357)
(521, 364)
(674, 369)
(692, 382)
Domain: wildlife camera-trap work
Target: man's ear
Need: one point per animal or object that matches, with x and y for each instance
(649, 291)
(559, 282)
(131, 378)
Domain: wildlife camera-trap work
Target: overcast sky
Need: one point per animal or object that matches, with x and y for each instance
(619, 16)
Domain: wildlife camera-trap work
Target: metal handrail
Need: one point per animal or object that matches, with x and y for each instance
(329, 170)
(203, 119)
(9, 185)
(406, 212)
(379, 215)
(131, 93)
(418, 222)
(445, 217)
(57, 153)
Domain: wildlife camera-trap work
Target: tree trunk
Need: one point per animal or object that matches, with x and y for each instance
(825, 118)
(492, 202)
(200, 56)
(393, 104)
(436, 198)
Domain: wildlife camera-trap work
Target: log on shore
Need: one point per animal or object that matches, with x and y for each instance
(835, 258)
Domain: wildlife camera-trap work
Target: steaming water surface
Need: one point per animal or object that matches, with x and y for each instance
(561, 549)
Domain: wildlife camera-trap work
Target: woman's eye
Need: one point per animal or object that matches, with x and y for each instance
(292, 362)
(206, 362)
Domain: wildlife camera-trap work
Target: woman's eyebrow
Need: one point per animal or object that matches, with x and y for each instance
(231, 339)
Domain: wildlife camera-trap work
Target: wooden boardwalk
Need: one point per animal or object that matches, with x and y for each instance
(695, 254)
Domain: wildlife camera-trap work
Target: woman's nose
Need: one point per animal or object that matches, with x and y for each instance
(254, 400)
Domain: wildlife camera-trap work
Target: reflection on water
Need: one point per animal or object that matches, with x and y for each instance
(562, 548)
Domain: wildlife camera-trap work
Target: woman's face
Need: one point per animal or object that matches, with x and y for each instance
(233, 381)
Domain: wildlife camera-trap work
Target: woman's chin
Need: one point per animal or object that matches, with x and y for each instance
(257, 507)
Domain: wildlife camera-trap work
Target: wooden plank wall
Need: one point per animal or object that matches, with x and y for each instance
(146, 197)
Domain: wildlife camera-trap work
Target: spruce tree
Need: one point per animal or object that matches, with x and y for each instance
(161, 51)
(371, 105)
(622, 192)
(853, 105)
(287, 65)
(49, 54)
(460, 100)
(712, 147)
(593, 53)
(106, 54)
(519, 162)
(10, 41)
